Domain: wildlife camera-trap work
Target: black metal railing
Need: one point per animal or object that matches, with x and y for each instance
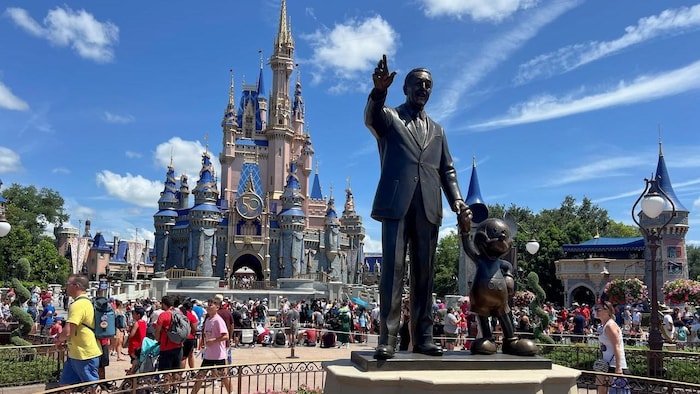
(244, 379)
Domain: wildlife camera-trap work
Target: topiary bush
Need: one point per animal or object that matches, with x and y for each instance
(541, 317)
(25, 321)
(22, 294)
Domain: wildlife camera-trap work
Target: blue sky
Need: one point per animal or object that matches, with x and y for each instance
(553, 98)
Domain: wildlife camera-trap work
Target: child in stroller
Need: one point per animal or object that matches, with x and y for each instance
(146, 362)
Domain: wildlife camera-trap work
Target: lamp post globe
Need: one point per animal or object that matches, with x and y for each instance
(4, 228)
(653, 205)
(4, 225)
(532, 246)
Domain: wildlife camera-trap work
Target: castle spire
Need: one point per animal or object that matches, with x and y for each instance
(665, 182)
(230, 111)
(284, 32)
(261, 85)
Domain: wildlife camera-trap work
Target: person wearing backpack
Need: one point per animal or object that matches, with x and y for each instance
(170, 351)
(83, 350)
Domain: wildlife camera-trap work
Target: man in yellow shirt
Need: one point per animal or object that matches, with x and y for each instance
(83, 350)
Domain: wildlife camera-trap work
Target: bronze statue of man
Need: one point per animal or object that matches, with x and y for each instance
(415, 165)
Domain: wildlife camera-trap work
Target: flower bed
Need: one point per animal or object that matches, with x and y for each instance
(626, 291)
(523, 298)
(681, 291)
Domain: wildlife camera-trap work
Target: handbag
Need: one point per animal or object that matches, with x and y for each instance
(600, 365)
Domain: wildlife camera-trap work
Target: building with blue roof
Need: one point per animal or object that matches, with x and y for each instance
(587, 267)
(264, 213)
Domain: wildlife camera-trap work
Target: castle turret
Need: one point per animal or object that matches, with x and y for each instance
(292, 222)
(672, 262)
(229, 126)
(164, 220)
(279, 132)
(351, 226)
(335, 267)
(204, 219)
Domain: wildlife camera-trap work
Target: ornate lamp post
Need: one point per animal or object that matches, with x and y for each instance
(653, 201)
(4, 225)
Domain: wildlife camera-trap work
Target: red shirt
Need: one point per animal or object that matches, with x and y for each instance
(311, 336)
(136, 340)
(193, 323)
(164, 321)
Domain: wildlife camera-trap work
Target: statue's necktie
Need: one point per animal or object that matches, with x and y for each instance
(419, 124)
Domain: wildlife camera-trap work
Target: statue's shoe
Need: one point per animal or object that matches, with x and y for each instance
(519, 347)
(483, 346)
(384, 352)
(429, 349)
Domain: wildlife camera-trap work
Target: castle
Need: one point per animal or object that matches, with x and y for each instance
(265, 213)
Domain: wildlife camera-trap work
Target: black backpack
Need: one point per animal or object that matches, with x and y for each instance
(280, 339)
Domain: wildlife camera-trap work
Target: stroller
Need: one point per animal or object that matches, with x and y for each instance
(147, 362)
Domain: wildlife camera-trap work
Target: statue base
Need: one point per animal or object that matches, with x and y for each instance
(456, 372)
(195, 282)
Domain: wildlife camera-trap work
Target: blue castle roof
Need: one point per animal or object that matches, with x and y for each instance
(99, 243)
(603, 244)
(665, 184)
(316, 188)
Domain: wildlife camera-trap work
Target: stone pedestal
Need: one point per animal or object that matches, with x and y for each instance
(159, 287)
(452, 373)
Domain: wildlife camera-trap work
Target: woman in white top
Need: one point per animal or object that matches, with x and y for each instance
(611, 345)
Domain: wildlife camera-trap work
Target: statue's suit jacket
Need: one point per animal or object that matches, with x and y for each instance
(406, 162)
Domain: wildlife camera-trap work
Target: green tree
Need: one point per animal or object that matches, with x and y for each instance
(620, 230)
(47, 265)
(693, 254)
(34, 209)
(446, 265)
(29, 211)
(14, 246)
(23, 268)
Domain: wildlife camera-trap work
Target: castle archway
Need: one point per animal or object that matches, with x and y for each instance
(248, 261)
(582, 295)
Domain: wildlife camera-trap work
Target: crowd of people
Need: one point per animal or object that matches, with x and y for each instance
(220, 324)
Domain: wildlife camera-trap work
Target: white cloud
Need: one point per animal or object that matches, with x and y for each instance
(131, 188)
(60, 170)
(478, 10)
(133, 155)
(9, 101)
(9, 160)
(186, 157)
(372, 245)
(494, 53)
(600, 168)
(90, 38)
(573, 56)
(352, 47)
(38, 121)
(646, 88)
(114, 118)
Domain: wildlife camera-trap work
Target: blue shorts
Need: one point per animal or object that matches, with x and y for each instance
(79, 371)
